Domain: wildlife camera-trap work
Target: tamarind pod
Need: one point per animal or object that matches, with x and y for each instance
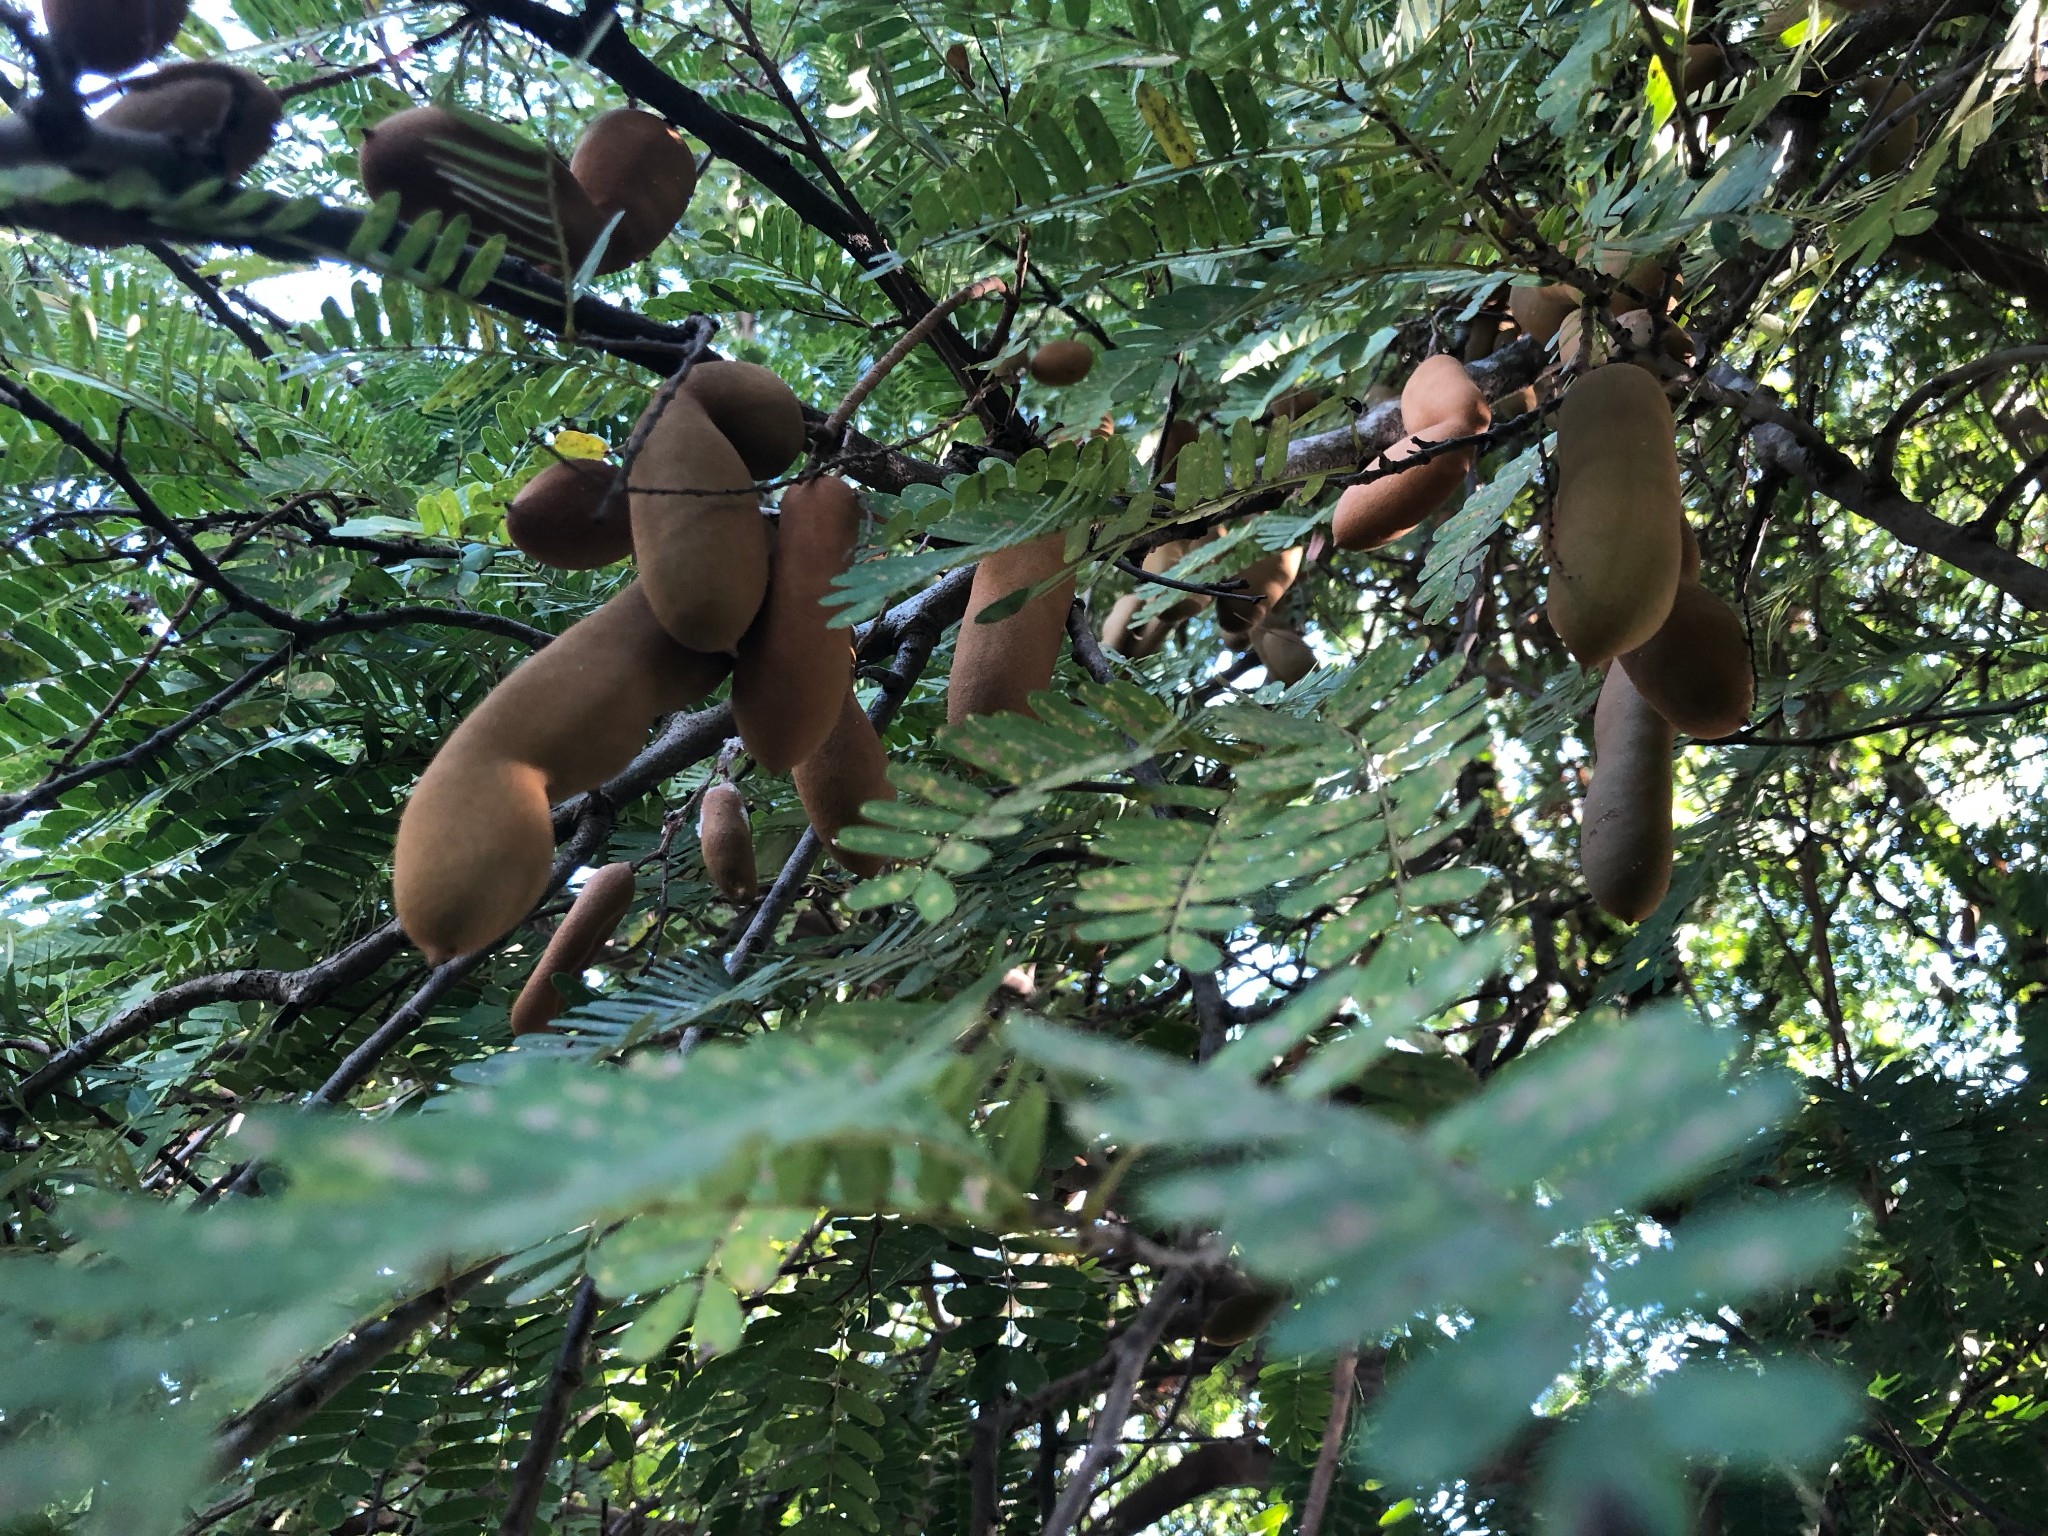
(567, 517)
(1296, 404)
(1520, 403)
(1695, 670)
(997, 667)
(1640, 281)
(1286, 655)
(111, 37)
(1613, 537)
(1440, 394)
(1705, 63)
(215, 112)
(1688, 552)
(1178, 435)
(1059, 363)
(1239, 1319)
(632, 164)
(1266, 582)
(1625, 835)
(1151, 640)
(1117, 634)
(698, 533)
(1540, 311)
(1485, 333)
(956, 62)
(1441, 390)
(475, 840)
(759, 414)
(725, 837)
(1897, 146)
(792, 670)
(459, 162)
(843, 775)
(593, 916)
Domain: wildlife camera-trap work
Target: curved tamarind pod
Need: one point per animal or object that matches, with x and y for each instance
(632, 164)
(1695, 670)
(567, 517)
(698, 533)
(1287, 656)
(111, 37)
(843, 775)
(1059, 363)
(1613, 537)
(759, 414)
(598, 909)
(1266, 582)
(725, 836)
(997, 667)
(459, 162)
(1178, 435)
(1518, 403)
(792, 670)
(1897, 146)
(1441, 396)
(475, 840)
(1117, 634)
(217, 113)
(1625, 836)
(1540, 311)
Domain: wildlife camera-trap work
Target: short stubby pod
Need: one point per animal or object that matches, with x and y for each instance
(111, 37)
(1266, 580)
(458, 162)
(475, 840)
(1540, 311)
(1625, 837)
(567, 517)
(725, 836)
(1613, 539)
(600, 906)
(1695, 671)
(1059, 363)
(998, 666)
(793, 670)
(632, 164)
(222, 116)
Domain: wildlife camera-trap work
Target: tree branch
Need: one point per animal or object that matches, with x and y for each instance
(1211, 1468)
(531, 1473)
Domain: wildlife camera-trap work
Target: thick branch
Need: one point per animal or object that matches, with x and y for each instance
(1221, 1464)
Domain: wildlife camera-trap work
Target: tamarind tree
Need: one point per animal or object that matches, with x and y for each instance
(1221, 1105)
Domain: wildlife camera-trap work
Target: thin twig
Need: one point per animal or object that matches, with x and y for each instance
(907, 343)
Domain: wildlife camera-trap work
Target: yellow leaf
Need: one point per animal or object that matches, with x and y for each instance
(1166, 125)
(579, 445)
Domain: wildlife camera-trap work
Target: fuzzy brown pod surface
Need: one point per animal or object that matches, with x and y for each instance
(567, 517)
(111, 37)
(223, 117)
(600, 906)
(793, 671)
(843, 775)
(725, 835)
(632, 165)
(1625, 844)
(475, 841)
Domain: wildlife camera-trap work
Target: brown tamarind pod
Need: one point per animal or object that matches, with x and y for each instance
(218, 114)
(1705, 63)
(1897, 146)
(1520, 403)
(567, 517)
(725, 837)
(843, 775)
(1059, 363)
(997, 667)
(1442, 400)
(1296, 404)
(458, 162)
(1117, 634)
(1640, 281)
(1240, 1319)
(632, 164)
(1540, 311)
(111, 37)
(475, 840)
(1286, 655)
(956, 61)
(1613, 537)
(698, 534)
(1266, 582)
(1178, 435)
(793, 671)
(1625, 835)
(600, 906)
(1695, 670)
(759, 414)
